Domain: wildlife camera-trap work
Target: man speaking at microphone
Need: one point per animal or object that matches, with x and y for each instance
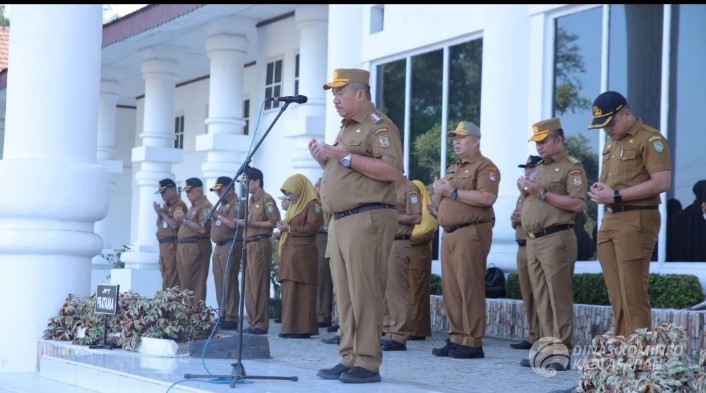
(357, 190)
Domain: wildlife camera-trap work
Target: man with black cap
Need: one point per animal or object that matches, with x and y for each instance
(357, 189)
(224, 231)
(522, 274)
(636, 169)
(463, 204)
(194, 249)
(552, 199)
(167, 227)
(263, 216)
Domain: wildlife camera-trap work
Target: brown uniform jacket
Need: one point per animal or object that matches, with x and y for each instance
(520, 233)
(478, 174)
(408, 202)
(631, 160)
(197, 212)
(163, 229)
(299, 259)
(370, 133)
(262, 208)
(560, 174)
(231, 209)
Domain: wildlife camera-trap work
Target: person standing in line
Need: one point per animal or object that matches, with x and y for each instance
(167, 227)
(194, 249)
(522, 274)
(277, 235)
(636, 170)
(298, 262)
(396, 303)
(552, 199)
(263, 216)
(463, 203)
(420, 269)
(357, 188)
(224, 231)
(324, 288)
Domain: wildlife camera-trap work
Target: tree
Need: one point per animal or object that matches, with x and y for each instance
(4, 21)
(569, 63)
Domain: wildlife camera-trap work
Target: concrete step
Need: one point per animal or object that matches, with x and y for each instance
(34, 383)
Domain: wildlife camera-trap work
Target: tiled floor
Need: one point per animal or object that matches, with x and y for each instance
(414, 371)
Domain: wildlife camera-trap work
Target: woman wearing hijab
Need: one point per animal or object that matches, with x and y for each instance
(420, 269)
(298, 256)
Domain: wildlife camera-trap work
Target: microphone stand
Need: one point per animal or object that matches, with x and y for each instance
(238, 372)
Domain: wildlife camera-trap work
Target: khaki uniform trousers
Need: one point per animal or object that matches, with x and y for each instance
(193, 261)
(225, 278)
(257, 283)
(168, 264)
(550, 265)
(397, 300)
(527, 298)
(419, 287)
(625, 244)
(464, 254)
(324, 289)
(359, 245)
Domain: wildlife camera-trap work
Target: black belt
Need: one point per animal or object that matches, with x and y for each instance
(402, 237)
(224, 242)
(256, 238)
(451, 229)
(167, 239)
(362, 208)
(521, 242)
(627, 208)
(549, 231)
(193, 239)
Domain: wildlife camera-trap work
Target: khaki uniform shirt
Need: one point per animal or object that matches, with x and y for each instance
(520, 233)
(262, 208)
(372, 134)
(479, 174)
(560, 174)
(230, 209)
(631, 160)
(408, 202)
(197, 212)
(163, 229)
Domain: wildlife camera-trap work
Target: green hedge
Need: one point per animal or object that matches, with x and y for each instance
(665, 290)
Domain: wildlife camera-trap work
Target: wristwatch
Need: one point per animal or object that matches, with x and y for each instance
(454, 194)
(543, 195)
(183, 221)
(346, 161)
(617, 198)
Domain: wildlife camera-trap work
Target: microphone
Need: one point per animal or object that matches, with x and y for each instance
(299, 99)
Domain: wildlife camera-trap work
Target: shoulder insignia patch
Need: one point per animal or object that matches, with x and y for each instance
(375, 117)
(576, 177)
(574, 160)
(576, 172)
(270, 208)
(317, 208)
(653, 137)
(658, 145)
(413, 197)
(492, 173)
(379, 130)
(384, 140)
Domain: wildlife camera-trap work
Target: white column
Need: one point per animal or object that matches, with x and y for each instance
(309, 119)
(107, 117)
(54, 189)
(154, 159)
(224, 143)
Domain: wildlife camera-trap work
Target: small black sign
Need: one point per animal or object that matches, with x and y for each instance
(107, 299)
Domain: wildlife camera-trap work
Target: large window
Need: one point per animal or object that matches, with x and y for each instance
(273, 83)
(179, 132)
(420, 118)
(635, 46)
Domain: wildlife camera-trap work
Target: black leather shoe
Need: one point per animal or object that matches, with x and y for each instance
(278, 320)
(333, 372)
(332, 340)
(524, 344)
(324, 324)
(332, 329)
(359, 375)
(256, 331)
(558, 367)
(298, 335)
(283, 335)
(467, 352)
(393, 345)
(525, 363)
(228, 325)
(416, 338)
(444, 351)
(383, 341)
